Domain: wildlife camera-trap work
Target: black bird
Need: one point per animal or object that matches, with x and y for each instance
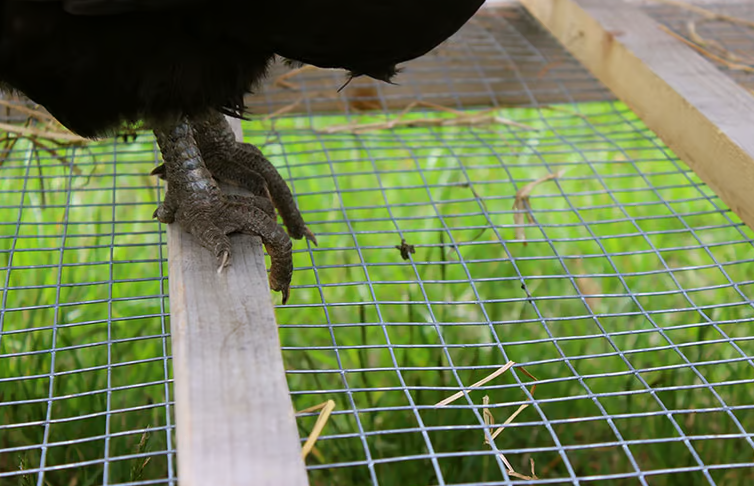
(179, 65)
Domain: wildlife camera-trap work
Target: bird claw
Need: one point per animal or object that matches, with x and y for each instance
(214, 217)
(199, 154)
(286, 294)
(310, 236)
(224, 261)
(159, 171)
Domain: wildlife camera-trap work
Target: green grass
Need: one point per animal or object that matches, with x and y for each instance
(372, 295)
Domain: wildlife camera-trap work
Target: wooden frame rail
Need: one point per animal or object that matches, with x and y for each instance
(699, 112)
(234, 418)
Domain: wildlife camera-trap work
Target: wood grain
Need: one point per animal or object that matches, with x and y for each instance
(699, 112)
(234, 418)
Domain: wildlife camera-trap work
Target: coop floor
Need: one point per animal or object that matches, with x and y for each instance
(626, 294)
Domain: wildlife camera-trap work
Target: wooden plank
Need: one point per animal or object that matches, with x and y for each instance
(699, 112)
(234, 418)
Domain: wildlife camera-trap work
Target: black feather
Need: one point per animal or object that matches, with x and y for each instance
(99, 64)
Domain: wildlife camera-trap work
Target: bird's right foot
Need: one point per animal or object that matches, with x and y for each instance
(195, 201)
(244, 165)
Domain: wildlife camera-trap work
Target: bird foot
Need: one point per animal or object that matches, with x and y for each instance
(196, 203)
(211, 219)
(244, 165)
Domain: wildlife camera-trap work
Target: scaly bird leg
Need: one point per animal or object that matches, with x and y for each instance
(244, 165)
(195, 201)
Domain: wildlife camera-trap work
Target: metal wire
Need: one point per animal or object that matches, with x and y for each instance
(626, 294)
(85, 376)
(727, 41)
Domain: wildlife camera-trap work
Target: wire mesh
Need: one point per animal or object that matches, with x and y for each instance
(623, 287)
(500, 58)
(85, 356)
(728, 45)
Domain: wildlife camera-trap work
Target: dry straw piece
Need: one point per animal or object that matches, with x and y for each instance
(326, 409)
(460, 118)
(489, 419)
(522, 206)
(706, 13)
(479, 383)
(730, 65)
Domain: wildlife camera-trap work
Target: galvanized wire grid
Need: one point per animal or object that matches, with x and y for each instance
(724, 39)
(85, 354)
(502, 57)
(628, 300)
